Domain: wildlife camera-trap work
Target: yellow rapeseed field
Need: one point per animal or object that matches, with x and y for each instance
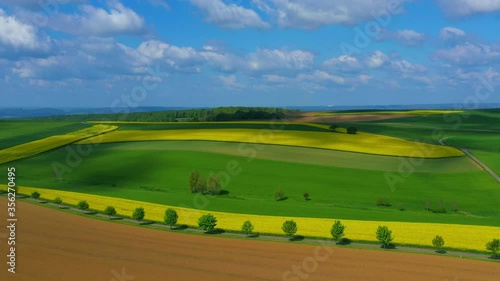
(35, 147)
(361, 142)
(468, 237)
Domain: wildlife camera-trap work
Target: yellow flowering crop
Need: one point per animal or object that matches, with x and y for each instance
(35, 147)
(361, 142)
(469, 237)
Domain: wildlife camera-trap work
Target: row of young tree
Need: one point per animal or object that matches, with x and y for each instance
(208, 222)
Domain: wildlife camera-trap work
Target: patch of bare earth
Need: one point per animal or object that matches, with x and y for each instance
(54, 245)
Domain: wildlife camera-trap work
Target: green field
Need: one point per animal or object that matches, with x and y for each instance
(155, 173)
(17, 132)
(492, 159)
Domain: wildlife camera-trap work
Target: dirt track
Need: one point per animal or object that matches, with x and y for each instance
(53, 245)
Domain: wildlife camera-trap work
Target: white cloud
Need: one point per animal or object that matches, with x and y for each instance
(38, 4)
(316, 13)
(451, 33)
(230, 16)
(406, 67)
(160, 3)
(376, 60)
(266, 59)
(343, 63)
(230, 81)
(272, 78)
(19, 36)
(117, 20)
(321, 76)
(470, 54)
(409, 37)
(469, 7)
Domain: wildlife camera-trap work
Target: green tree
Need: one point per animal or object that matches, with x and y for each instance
(58, 201)
(438, 243)
(289, 227)
(337, 231)
(279, 194)
(83, 205)
(35, 195)
(110, 211)
(334, 127)
(384, 236)
(247, 228)
(138, 214)
(207, 222)
(306, 196)
(352, 130)
(494, 247)
(194, 178)
(213, 185)
(170, 217)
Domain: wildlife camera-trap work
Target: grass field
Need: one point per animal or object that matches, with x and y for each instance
(38, 146)
(456, 236)
(13, 133)
(361, 142)
(405, 112)
(146, 172)
(492, 159)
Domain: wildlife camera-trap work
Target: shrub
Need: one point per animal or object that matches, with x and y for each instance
(197, 183)
(138, 214)
(438, 243)
(207, 222)
(171, 217)
(383, 202)
(289, 227)
(110, 211)
(83, 205)
(352, 130)
(58, 201)
(334, 127)
(337, 231)
(306, 196)
(247, 228)
(35, 195)
(438, 210)
(279, 195)
(494, 247)
(384, 236)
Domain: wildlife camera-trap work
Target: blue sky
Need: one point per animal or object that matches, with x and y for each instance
(84, 53)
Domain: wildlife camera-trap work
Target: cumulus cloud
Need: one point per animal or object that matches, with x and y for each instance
(39, 5)
(93, 21)
(316, 13)
(452, 35)
(409, 37)
(230, 81)
(321, 76)
(470, 54)
(406, 67)
(343, 63)
(376, 60)
(462, 8)
(17, 36)
(230, 16)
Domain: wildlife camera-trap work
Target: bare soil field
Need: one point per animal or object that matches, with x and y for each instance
(344, 118)
(54, 245)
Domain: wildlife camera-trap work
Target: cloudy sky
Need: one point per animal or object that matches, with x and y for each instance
(248, 52)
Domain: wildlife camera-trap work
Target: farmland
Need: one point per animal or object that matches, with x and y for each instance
(131, 164)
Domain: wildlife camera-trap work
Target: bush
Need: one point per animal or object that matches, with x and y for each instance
(110, 211)
(334, 127)
(384, 236)
(438, 243)
(58, 201)
(213, 185)
(352, 130)
(138, 214)
(171, 217)
(337, 231)
(35, 195)
(83, 205)
(494, 247)
(247, 228)
(438, 210)
(383, 202)
(289, 227)
(306, 196)
(207, 222)
(279, 195)
(197, 183)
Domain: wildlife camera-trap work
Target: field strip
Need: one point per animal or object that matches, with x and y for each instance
(466, 237)
(35, 147)
(492, 173)
(361, 142)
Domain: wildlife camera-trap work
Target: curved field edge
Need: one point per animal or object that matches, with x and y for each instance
(38, 146)
(361, 142)
(462, 237)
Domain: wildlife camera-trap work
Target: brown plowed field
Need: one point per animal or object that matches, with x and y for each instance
(53, 245)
